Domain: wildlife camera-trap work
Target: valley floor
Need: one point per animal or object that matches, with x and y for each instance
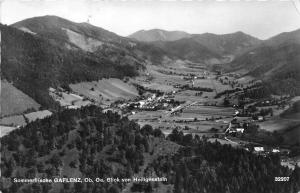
(204, 114)
(188, 97)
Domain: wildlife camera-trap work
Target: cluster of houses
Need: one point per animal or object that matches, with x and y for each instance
(265, 150)
(152, 102)
(193, 77)
(237, 125)
(236, 130)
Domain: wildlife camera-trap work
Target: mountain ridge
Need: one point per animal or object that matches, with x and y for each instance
(276, 61)
(52, 27)
(158, 35)
(222, 44)
(101, 46)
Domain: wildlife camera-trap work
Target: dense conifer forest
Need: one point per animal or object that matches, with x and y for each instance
(205, 167)
(73, 143)
(89, 143)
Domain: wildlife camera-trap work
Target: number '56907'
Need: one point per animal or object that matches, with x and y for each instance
(282, 179)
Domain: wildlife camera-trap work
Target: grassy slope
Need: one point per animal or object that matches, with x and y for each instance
(14, 101)
(111, 89)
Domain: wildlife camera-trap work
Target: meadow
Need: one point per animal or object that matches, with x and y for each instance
(105, 90)
(13, 101)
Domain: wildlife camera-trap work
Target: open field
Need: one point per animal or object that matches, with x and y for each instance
(245, 79)
(209, 111)
(295, 99)
(66, 99)
(192, 116)
(16, 120)
(4, 130)
(159, 86)
(147, 115)
(163, 119)
(207, 97)
(13, 101)
(168, 76)
(37, 115)
(19, 120)
(105, 90)
(277, 124)
(211, 82)
(161, 81)
(69, 100)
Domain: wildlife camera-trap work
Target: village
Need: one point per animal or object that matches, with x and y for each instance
(210, 105)
(203, 105)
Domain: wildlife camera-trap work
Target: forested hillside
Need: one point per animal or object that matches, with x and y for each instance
(198, 46)
(279, 66)
(276, 61)
(74, 143)
(227, 44)
(93, 39)
(67, 33)
(187, 49)
(34, 64)
(204, 167)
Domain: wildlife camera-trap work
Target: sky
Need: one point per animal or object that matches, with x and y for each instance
(262, 19)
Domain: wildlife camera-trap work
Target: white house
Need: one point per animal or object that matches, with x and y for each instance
(260, 118)
(275, 150)
(51, 89)
(142, 103)
(240, 130)
(236, 112)
(259, 149)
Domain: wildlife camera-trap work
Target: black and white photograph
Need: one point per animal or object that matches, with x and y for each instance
(150, 96)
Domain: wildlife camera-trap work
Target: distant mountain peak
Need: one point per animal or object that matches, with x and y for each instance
(284, 37)
(232, 43)
(239, 32)
(64, 31)
(153, 35)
